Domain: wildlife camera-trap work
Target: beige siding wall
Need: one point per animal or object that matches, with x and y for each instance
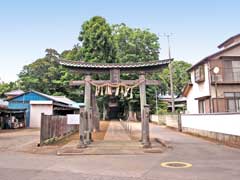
(224, 88)
(198, 90)
(35, 113)
(235, 41)
(233, 52)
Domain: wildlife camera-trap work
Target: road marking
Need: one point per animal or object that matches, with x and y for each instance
(176, 165)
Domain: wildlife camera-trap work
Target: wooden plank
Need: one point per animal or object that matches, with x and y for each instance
(54, 126)
(82, 82)
(57, 128)
(115, 75)
(127, 82)
(49, 126)
(153, 82)
(42, 131)
(77, 83)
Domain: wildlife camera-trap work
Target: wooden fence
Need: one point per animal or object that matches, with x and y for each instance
(55, 127)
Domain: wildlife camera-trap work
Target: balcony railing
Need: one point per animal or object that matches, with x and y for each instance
(229, 75)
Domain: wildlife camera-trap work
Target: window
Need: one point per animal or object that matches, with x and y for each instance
(232, 101)
(199, 74)
(232, 70)
(201, 106)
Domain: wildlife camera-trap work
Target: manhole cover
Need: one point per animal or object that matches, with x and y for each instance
(176, 165)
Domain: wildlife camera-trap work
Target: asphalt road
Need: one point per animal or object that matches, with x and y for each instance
(209, 160)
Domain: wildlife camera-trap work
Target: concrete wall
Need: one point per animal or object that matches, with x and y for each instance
(35, 112)
(221, 127)
(158, 119)
(168, 120)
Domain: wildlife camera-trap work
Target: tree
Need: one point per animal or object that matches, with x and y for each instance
(74, 54)
(180, 77)
(47, 76)
(6, 87)
(102, 43)
(97, 41)
(51, 53)
(134, 44)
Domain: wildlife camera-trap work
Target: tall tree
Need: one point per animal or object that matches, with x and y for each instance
(180, 77)
(97, 41)
(74, 54)
(47, 76)
(134, 44)
(100, 42)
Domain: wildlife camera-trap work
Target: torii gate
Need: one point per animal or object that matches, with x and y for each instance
(115, 69)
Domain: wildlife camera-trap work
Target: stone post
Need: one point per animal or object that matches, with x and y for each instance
(145, 130)
(143, 101)
(95, 114)
(87, 92)
(89, 126)
(87, 102)
(81, 128)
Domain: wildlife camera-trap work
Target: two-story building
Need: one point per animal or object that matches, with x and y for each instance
(215, 81)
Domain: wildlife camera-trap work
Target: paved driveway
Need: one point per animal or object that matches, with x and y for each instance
(209, 160)
(16, 139)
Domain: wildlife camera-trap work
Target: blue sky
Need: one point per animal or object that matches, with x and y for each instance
(28, 27)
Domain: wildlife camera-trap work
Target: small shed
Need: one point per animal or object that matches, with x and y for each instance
(36, 103)
(12, 118)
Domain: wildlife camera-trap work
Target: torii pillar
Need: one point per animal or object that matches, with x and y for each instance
(90, 104)
(87, 92)
(143, 100)
(88, 108)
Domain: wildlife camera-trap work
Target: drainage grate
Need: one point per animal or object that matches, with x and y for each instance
(176, 165)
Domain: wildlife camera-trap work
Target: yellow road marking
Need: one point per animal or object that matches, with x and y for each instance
(182, 164)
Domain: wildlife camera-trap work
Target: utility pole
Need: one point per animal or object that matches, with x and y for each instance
(156, 100)
(170, 71)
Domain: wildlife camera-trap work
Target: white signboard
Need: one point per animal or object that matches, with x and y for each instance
(73, 119)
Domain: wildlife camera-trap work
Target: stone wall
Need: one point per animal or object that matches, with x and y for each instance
(227, 139)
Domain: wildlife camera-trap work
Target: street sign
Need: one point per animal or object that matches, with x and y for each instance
(73, 119)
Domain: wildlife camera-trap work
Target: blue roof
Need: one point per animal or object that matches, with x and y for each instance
(41, 96)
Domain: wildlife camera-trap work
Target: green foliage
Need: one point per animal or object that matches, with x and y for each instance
(134, 44)
(158, 107)
(47, 76)
(180, 77)
(97, 41)
(102, 43)
(6, 87)
(73, 54)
